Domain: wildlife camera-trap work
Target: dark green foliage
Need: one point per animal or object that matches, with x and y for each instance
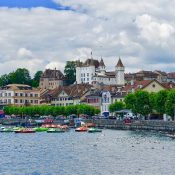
(36, 79)
(51, 110)
(70, 72)
(20, 76)
(170, 103)
(142, 106)
(116, 106)
(161, 99)
(152, 100)
(130, 102)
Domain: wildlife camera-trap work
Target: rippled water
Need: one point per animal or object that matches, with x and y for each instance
(71, 153)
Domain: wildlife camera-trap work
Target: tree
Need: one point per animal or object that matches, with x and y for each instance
(116, 106)
(4, 80)
(130, 102)
(170, 103)
(22, 76)
(152, 100)
(161, 98)
(36, 79)
(70, 72)
(142, 105)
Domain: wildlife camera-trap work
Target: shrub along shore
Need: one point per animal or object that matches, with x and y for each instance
(51, 110)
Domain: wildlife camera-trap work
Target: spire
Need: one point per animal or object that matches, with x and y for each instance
(119, 64)
(91, 55)
(101, 63)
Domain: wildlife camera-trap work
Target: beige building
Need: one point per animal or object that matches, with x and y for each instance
(19, 94)
(66, 95)
(51, 79)
(148, 85)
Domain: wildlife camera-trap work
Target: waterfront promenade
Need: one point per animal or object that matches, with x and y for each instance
(157, 125)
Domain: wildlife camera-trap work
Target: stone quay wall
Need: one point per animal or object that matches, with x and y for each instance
(135, 125)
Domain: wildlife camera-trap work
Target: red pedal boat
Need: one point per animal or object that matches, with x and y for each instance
(81, 129)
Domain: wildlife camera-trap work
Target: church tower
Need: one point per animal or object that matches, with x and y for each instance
(102, 66)
(119, 73)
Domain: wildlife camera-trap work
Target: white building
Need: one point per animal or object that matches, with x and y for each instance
(105, 102)
(94, 71)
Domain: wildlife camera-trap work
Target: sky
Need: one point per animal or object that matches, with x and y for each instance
(40, 34)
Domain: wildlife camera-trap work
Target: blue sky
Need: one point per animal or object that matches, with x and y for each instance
(32, 3)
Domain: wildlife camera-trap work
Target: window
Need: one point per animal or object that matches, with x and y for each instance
(9, 94)
(21, 94)
(153, 85)
(21, 100)
(87, 74)
(87, 79)
(36, 95)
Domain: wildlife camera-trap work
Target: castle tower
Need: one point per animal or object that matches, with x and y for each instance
(119, 73)
(102, 66)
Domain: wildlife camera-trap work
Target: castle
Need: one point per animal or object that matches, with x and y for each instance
(93, 71)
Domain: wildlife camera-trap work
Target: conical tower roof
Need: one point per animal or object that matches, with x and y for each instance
(101, 63)
(119, 64)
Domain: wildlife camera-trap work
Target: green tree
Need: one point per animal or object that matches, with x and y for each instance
(36, 79)
(22, 76)
(152, 100)
(170, 103)
(70, 72)
(130, 102)
(161, 99)
(4, 80)
(142, 105)
(118, 105)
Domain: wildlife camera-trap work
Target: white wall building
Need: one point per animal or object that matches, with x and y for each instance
(94, 71)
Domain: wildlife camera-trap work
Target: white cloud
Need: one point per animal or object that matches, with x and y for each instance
(153, 31)
(23, 52)
(137, 31)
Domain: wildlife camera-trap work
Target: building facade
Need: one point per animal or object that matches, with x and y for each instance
(94, 71)
(19, 94)
(51, 79)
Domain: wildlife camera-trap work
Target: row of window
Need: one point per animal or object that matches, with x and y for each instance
(26, 95)
(19, 95)
(93, 100)
(9, 101)
(63, 104)
(84, 75)
(62, 98)
(26, 101)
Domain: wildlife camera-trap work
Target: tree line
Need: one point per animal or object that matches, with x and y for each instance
(21, 76)
(51, 110)
(145, 103)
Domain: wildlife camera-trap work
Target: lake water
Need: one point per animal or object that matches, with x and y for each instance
(107, 153)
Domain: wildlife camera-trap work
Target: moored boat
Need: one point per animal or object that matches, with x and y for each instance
(6, 130)
(81, 129)
(92, 130)
(55, 130)
(40, 129)
(26, 130)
